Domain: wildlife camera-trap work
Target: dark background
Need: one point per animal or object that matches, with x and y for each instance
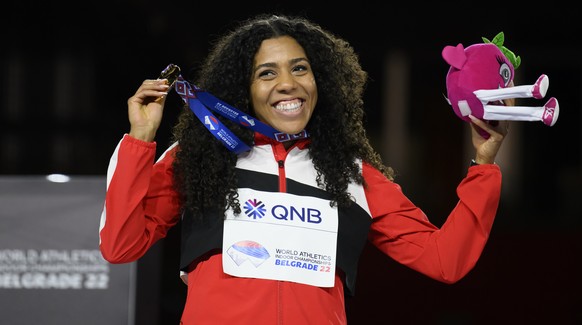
(67, 72)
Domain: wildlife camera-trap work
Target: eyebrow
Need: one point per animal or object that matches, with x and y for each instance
(272, 64)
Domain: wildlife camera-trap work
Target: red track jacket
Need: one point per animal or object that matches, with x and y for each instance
(141, 206)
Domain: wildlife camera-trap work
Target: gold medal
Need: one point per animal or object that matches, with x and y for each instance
(171, 72)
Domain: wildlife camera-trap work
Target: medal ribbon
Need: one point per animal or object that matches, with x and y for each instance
(199, 101)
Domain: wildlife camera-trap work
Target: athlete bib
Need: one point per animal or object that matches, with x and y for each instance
(281, 236)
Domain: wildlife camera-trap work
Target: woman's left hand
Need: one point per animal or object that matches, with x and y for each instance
(487, 149)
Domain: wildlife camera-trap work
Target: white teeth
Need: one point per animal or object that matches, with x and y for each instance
(288, 107)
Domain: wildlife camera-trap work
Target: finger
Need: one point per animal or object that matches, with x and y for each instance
(158, 84)
(496, 127)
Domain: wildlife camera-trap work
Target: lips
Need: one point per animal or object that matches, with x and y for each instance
(288, 105)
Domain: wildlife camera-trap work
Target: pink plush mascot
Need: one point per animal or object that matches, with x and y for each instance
(481, 77)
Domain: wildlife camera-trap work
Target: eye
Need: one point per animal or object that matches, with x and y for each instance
(505, 73)
(266, 74)
(300, 67)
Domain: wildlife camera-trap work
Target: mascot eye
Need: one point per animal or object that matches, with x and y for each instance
(505, 73)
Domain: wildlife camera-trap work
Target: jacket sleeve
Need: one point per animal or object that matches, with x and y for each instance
(402, 231)
(140, 202)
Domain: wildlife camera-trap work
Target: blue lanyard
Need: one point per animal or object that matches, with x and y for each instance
(199, 100)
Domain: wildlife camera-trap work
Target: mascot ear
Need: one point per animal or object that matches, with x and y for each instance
(455, 56)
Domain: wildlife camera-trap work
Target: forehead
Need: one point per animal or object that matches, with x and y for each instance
(281, 48)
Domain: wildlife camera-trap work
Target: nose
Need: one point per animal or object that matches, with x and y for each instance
(286, 81)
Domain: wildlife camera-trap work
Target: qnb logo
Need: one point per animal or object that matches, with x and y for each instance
(254, 208)
(291, 213)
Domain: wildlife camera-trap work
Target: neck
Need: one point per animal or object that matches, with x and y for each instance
(288, 144)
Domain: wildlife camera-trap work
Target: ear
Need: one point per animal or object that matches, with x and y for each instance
(455, 55)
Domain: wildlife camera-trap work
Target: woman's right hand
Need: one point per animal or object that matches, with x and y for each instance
(145, 109)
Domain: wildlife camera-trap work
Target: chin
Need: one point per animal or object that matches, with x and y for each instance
(290, 128)
(292, 131)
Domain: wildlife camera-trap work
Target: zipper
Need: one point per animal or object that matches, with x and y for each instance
(280, 154)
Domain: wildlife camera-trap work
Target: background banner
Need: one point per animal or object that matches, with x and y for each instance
(51, 270)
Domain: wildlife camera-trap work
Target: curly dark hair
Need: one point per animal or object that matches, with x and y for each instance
(204, 170)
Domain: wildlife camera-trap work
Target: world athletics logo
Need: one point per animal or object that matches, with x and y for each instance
(248, 250)
(211, 122)
(254, 208)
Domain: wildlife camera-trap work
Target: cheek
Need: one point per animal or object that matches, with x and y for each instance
(313, 86)
(254, 98)
(314, 93)
(259, 93)
(257, 104)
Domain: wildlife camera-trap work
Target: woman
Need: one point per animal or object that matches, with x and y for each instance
(273, 234)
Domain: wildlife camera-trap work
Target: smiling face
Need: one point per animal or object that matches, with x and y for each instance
(283, 89)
